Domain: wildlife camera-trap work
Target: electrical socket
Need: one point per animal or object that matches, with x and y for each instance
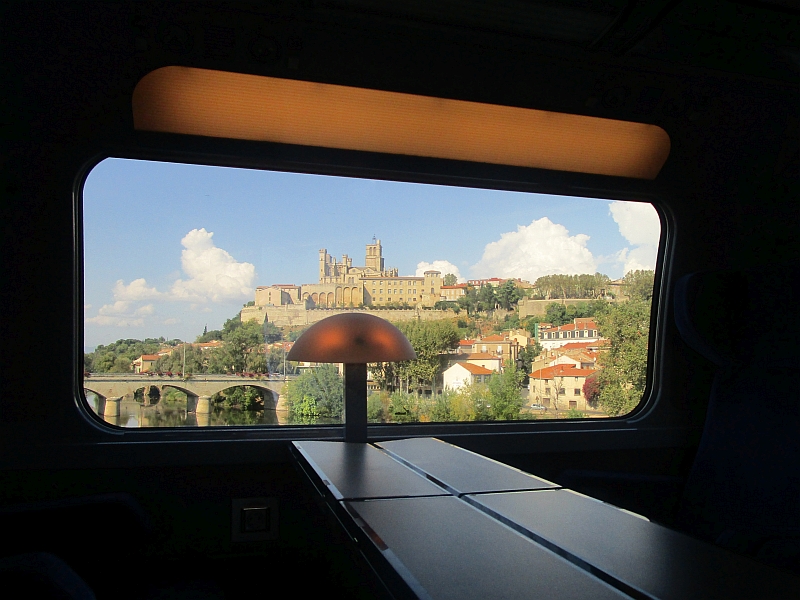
(254, 519)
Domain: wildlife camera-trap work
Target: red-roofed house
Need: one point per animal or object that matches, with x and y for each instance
(580, 360)
(559, 387)
(206, 346)
(452, 293)
(462, 373)
(498, 345)
(481, 359)
(465, 345)
(144, 363)
(493, 281)
(581, 330)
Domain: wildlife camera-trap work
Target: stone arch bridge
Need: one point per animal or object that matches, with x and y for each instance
(110, 388)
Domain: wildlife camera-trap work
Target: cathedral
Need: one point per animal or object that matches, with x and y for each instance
(341, 285)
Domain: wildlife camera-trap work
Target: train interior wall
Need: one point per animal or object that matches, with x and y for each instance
(730, 187)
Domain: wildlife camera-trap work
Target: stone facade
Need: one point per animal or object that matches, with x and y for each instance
(298, 315)
(341, 285)
(559, 387)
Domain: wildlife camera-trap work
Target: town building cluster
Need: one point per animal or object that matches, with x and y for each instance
(145, 362)
(569, 352)
(557, 375)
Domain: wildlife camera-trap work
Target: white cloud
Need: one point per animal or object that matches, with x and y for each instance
(444, 266)
(213, 273)
(87, 306)
(115, 321)
(541, 248)
(118, 308)
(200, 308)
(135, 290)
(639, 224)
(144, 310)
(120, 314)
(641, 258)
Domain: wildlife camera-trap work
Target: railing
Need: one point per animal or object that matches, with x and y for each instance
(192, 376)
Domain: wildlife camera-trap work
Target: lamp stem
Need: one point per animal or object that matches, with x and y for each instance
(355, 402)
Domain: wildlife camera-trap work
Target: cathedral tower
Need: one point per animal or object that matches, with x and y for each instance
(374, 259)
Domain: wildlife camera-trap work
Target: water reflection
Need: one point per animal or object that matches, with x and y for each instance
(134, 414)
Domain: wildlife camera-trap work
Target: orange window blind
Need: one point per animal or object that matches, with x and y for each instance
(220, 104)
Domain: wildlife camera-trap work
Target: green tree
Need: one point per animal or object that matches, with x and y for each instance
(173, 362)
(638, 285)
(221, 360)
(209, 336)
(118, 356)
(508, 294)
(450, 279)
(404, 407)
(469, 301)
(528, 354)
(121, 365)
(504, 393)
(557, 314)
(624, 366)
(487, 298)
(509, 322)
(243, 397)
(572, 286)
(430, 340)
(296, 333)
(271, 333)
(377, 407)
(447, 305)
(318, 392)
(240, 342)
(231, 324)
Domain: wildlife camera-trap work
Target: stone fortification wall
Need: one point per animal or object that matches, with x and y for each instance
(292, 315)
(528, 307)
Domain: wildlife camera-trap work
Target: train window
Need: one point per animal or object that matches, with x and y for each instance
(197, 280)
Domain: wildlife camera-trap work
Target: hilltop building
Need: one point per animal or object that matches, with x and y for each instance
(342, 285)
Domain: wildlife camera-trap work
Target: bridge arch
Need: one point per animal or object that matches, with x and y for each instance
(269, 393)
(93, 391)
(195, 387)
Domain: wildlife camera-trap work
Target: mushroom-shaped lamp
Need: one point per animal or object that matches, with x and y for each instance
(354, 339)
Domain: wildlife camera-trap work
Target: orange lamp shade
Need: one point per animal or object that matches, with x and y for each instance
(352, 338)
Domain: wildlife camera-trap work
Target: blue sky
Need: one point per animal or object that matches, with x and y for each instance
(169, 248)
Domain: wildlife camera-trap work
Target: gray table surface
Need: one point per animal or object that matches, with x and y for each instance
(461, 471)
(446, 549)
(657, 561)
(362, 471)
(454, 524)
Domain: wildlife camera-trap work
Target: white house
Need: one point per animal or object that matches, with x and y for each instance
(463, 373)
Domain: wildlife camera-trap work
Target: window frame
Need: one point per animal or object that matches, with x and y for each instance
(412, 169)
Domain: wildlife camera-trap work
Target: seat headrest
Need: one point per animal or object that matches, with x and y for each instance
(732, 315)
